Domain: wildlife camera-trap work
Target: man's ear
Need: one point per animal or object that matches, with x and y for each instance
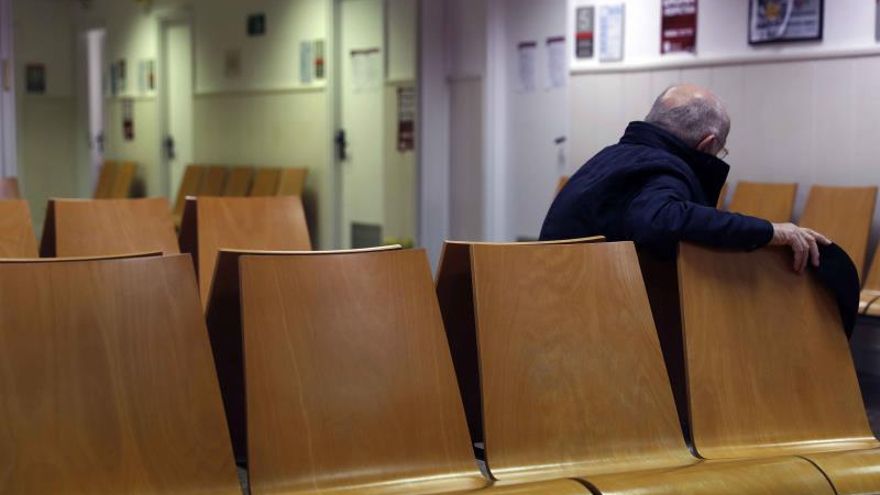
(709, 144)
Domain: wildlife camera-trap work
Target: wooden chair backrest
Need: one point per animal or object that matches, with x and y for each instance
(123, 180)
(872, 282)
(553, 337)
(771, 201)
(107, 380)
(238, 182)
(266, 182)
(17, 238)
(104, 227)
(292, 181)
(106, 178)
(722, 196)
(213, 181)
(211, 224)
(361, 333)
(844, 214)
(563, 180)
(189, 186)
(9, 188)
(768, 364)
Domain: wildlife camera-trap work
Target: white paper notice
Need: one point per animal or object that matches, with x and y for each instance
(366, 69)
(528, 52)
(611, 33)
(557, 69)
(305, 62)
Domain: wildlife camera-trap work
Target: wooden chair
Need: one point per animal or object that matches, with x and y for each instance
(104, 227)
(573, 381)
(769, 370)
(210, 224)
(770, 201)
(189, 186)
(292, 181)
(373, 407)
(722, 196)
(870, 295)
(238, 183)
(213, 181)
(561, 183)
(123, 180)
(107, 381)
(9, 188)
(16, 231)
(844, 214)
(266, 182)
(106, 179)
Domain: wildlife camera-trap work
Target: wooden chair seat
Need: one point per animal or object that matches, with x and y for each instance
(772, 202)
(17, 238)
(769, 369)
(211, 224)
(9, 188)
(107, 383)
(844, 214)
(104, 227)
(573, 386)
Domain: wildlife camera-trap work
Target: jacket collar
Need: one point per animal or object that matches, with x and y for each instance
(709, 170)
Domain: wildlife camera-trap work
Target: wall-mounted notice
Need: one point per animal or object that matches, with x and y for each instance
(778, 20)
(527, 53)
(319, 60)
(306, 61)
(406, 119)
(584, 31)
(678, 29)
(557, 69)
(366, 69)
(256, 24)
(146, 75)
(611, 33)
(35, 78)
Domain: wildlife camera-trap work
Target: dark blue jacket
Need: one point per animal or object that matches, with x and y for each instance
(653, 189)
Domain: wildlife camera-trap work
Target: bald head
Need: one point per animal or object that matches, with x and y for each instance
(694, 115)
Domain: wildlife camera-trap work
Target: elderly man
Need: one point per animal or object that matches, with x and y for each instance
(660, 183)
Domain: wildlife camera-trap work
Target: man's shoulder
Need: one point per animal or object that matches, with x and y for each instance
(634, 159)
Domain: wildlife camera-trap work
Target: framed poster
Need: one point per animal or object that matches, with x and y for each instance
(584, 31)
(678, 28)
(772, 21)
(611, 33)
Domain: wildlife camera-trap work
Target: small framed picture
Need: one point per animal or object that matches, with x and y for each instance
(774, 21)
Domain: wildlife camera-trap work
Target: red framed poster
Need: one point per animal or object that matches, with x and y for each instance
(678, 28)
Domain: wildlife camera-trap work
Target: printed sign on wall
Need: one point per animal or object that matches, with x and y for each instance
(678, 29)
(781, 20)
(611, 33)
(584, 32)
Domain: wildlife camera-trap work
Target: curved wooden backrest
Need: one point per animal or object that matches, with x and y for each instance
(189, 186)
(844, 214)
(238, 182)
(292, 181)
(16, 231)
(722, 196)
(107, 381)
(572, 375)
(9, 188)
(266, 182)
(107, 227)
(106, 178)
(768, 364)
(871, 290)
(349, 381)
(563, 180)
(213, 181)
(123, 180)
(772, 202)
(211, 224)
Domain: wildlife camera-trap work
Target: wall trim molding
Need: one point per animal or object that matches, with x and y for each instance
(260, 92)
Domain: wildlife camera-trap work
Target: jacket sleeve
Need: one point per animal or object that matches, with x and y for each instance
(662, 212)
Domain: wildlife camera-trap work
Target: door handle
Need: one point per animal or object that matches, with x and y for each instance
(341, 146)
(170, 152)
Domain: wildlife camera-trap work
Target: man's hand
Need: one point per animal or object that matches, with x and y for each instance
(804, 242)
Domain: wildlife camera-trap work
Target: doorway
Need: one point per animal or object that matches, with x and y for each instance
(176, 90)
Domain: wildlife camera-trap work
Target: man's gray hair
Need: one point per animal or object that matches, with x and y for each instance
(690, 119)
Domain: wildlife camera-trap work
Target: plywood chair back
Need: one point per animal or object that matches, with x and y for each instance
(238, 182)
(768, 364)
(123, 180)
(553, 336)
(722, 196)
(266, 182)
(189, 186)
(106, 178)
(770, 201)
(844, 214)
(103, 227)
(16, 230)
(223, 316)
(9, 188)
(870, 295)
(374, 406)
(563, 180)
(292, 181)
(213, 181)
(107, 380)
(269, 224)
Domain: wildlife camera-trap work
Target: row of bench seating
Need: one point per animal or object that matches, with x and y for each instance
(347, 382)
